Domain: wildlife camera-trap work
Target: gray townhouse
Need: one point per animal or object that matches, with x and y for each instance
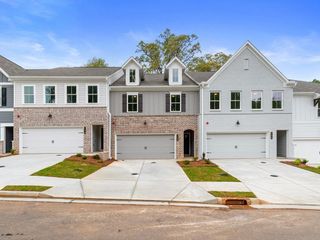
(247, 109)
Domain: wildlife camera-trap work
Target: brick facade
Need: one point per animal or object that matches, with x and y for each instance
(157, 124)
(62, 117)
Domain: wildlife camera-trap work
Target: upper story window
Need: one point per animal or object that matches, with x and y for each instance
(235, 103)
(132, 75)
(132, 102)
(93, 94)
(3, 97)
(175, 102)
(256, 100)
(215, 101)
(71, 94)
(277, 100)
(175, 75)
(50, 94)
(28, 94)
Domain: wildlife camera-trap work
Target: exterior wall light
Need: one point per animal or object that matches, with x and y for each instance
(50, 115)
(238, 123)
(145, 123)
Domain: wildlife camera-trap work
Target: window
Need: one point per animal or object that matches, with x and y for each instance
(235, 100)
(215, 100)
(92, 94)
(277, 99)
(71, 94)
(132, 75)
(318, 109)
(50, 94)
(175, 102)
(256, 100)
(175, 75)
(28, 94)
(132, 102)
(3, 96)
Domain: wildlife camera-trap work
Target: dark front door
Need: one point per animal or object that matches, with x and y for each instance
(9, 138)
(101, 138)
(187, 143)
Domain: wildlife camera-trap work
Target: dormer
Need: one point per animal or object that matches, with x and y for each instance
(132, 72)
(175, 70)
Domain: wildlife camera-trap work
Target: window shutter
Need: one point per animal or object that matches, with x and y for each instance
(183, 102)
(124, 102)
(4, 97)
(167, 102)
(140, 102)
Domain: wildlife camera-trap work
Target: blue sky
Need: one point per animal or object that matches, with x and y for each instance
(39, 34)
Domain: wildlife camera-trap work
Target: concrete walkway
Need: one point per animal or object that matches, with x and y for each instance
(157, 180)
(291, 185)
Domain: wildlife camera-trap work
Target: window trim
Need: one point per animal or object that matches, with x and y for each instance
(87, 93)
(215, 91)
(34, 93)
(132, 94)
(236, 109)
(257, 109)
(55, 94)
(282, 100)
(135, 75)
(66, 93)
(176, 93)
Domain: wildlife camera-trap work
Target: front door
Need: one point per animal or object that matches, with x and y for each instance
(9, 138)
(187, 141)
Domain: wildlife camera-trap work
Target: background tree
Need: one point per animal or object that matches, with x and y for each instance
(155, 55)
(316, 81)
(96, 62)
(208, 62)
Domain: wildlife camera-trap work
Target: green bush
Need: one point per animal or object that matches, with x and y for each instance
(195, 158)
(79, 155)
(186, 162)
(297, 161)
(84, 157)
(96, 157)
(207, 161)
(13, 151)
(304, 161)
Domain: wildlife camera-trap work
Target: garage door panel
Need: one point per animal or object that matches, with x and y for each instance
(52, 140)
(242, 145)
(145, 147)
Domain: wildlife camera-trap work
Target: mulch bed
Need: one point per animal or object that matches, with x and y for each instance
(90, 160)
(198, 163)
(301, 165)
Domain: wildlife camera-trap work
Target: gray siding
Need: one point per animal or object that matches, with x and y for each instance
(9, 96)
(6, 117)
(154, 103)
(3, 78)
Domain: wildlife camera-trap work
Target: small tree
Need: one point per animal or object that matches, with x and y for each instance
(96, 63)
(208, 62)
(316, 81)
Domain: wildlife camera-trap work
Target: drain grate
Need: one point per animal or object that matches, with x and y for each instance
(2, 166)
(273, 175)
(58, 155)
(263, 162)
(134, 173)
(153, 162)
(236, 202)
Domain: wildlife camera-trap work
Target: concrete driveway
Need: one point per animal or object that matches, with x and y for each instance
(159, 180)
(292, 186)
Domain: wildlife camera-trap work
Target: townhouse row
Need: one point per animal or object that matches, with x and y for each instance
(247, 109)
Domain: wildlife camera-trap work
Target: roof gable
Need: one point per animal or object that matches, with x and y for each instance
(132, 59)
(175, 59)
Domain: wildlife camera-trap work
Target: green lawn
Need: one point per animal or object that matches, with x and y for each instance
(208, 174)
(29, 188)
(233, 194)
(311, 169)
(68, 169)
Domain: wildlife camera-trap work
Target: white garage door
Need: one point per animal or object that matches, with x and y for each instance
(52, 140)
(248, 145)
(145, 147)
(308, 149)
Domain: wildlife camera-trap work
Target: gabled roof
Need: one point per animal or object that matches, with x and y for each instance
(9, 67)
(201, 76)
(175, 59)
(306, 87)
(252, 48)
(132, 59)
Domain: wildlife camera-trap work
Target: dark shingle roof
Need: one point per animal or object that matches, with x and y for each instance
(303, 86)
(201, 76)
(69, 71)
(10, 67)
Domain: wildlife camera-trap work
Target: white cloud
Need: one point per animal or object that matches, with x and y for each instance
(63, 45)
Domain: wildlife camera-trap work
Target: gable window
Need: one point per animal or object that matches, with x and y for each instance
(175, 75)
(71, 94)
(132, 75)
(3, 96)
(28, 94)
(256, 100)
(93, 94)
(50, 94)
(235, 103)
(215, 101)
(277, 100)
(132, 102)
(175, 102)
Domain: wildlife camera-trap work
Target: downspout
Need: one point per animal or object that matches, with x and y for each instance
(109, 120)
(201, 119)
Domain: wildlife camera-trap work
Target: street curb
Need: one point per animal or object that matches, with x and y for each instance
(286, 207)
(250, 201)
(22, 194)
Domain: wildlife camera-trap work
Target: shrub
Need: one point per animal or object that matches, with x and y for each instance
(319, 167)
(297, 161)
(96, 157)
(13, 151)
(207, 161)
(79, 155)
(186, 162)
(304, 161)
(84, 157)
(195, 158)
